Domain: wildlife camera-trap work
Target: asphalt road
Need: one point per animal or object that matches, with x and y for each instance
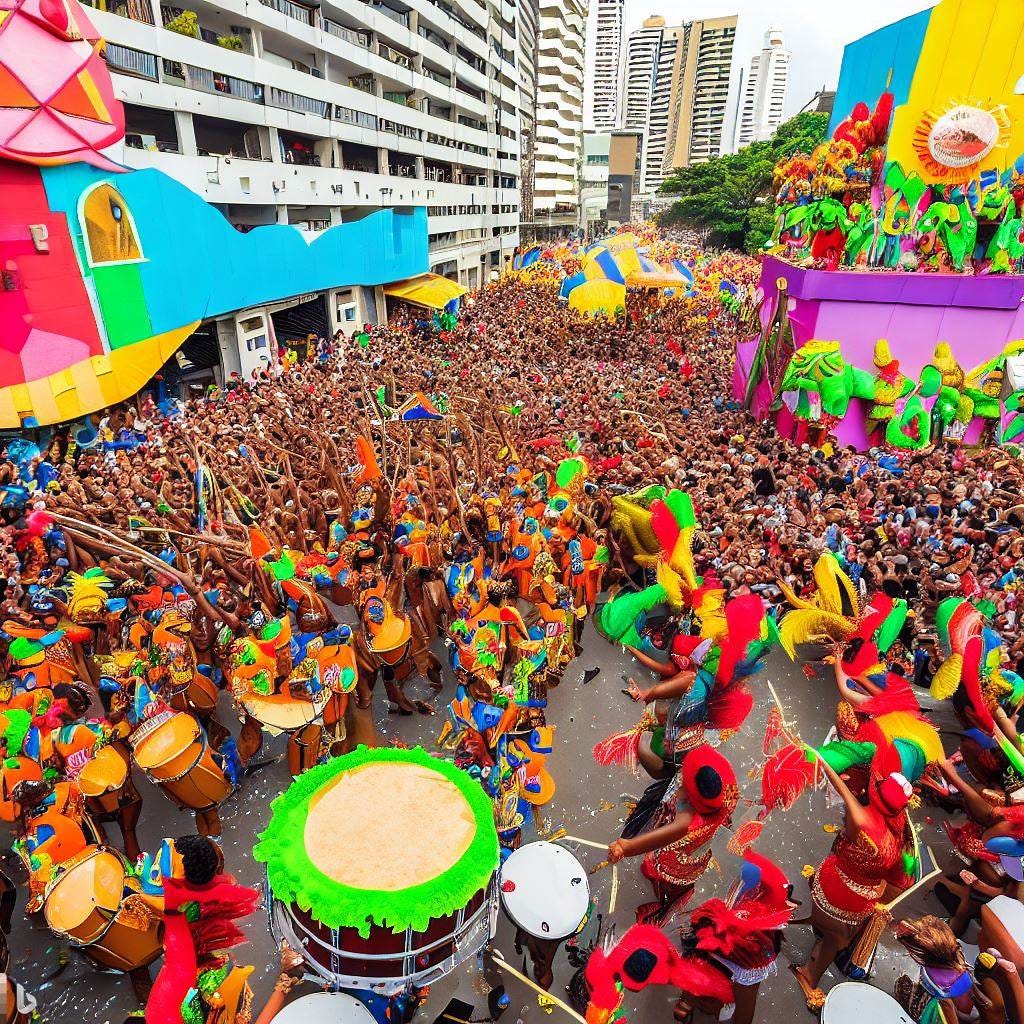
(588, 803)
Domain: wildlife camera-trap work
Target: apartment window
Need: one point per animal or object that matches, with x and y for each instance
(293, 101)
(356, 117)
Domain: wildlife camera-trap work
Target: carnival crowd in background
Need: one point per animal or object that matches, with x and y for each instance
(504, 481)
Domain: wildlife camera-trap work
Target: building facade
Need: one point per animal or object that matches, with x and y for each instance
(315, 114)
(560, 76)
(638, 73)
(676, 90)
(700, 92)
(604, 71)
(764, 95)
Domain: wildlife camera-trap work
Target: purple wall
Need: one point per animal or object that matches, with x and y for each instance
(978, 316)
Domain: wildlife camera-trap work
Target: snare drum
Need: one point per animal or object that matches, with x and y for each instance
(173, 751)
(102, 781)
(402, 899)
(325, 1008)
(855, 1001)
(544, 891)
(86, 904)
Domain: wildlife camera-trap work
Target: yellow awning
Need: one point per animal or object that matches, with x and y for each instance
(429, 290)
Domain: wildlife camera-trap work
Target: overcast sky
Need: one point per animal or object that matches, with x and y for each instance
(816, 31)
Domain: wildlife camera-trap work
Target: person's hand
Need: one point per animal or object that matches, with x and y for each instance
(969, 878)
(291, 960)
(634, 691)
(617, 851)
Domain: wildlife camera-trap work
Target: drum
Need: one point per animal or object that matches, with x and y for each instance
(325, 1008)
(102, 781)
(283, 712)
(854, 1001)
(172, 749)
(544, 891)
(86, 904)
(382, 896)
(12, 771)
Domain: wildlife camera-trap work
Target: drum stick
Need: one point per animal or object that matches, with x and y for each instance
(909, 892)
(583, 842)
(613, 897)
(555, 1001)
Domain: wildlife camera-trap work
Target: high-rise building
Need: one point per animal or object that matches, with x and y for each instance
(676, 89)
(638, 73)
(529, 55)
(700, 92)
(560, 72)
(764, 96)
(604, 44)
(315, 113)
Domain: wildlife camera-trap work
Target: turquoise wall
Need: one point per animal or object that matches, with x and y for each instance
(197, 265)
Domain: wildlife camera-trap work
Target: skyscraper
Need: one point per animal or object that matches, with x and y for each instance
(559, 114)
(700, 92)
(604, 40)
(764, 97)
(676, 89)
(638, 77)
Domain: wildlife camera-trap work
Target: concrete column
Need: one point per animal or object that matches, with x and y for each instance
(275, 145)
(282, 213)
(186, 133)
(382, 160)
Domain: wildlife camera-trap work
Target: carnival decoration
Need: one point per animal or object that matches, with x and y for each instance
(96, 294)
(386, 902)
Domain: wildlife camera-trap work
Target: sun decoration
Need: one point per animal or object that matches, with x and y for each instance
(952, 146)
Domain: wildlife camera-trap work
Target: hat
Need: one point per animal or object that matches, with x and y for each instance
(708, 779)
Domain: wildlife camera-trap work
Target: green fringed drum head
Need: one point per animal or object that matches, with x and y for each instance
(393, 838)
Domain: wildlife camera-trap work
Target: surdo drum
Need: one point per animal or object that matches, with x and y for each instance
(381, 865)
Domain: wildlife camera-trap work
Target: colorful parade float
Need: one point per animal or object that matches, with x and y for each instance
(890, 297)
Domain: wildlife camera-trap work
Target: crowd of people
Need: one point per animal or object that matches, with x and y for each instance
(489, 482)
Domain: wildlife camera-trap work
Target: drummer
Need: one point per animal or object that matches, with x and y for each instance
(185, 882)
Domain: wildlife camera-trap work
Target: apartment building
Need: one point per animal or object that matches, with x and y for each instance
(676, 90)
(764, 95)
(315, 114)
(604, 65)
(560, 74)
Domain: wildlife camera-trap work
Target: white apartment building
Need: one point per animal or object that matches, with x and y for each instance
(764, 96)
(604, 68)
(654, 166)
(315, 114)
(560, 73)
(638, 74)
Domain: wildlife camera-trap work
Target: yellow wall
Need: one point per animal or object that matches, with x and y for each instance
(973, 54)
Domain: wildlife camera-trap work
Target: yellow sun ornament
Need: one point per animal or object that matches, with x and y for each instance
(954, 146)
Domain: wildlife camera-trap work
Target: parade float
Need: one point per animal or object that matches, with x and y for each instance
(891, 290)
(107, 271)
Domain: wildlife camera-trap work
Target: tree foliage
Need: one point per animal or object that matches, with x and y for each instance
(730, 197)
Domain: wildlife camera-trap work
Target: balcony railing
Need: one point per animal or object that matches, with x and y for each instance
(205, 80)
(133, 10)
(346, 115)
(293, 101)
(296, 11)
(131, 62)
(350, 35)
(401, 18)
(395, 56)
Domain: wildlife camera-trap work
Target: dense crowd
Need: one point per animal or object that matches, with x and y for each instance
(527, 423)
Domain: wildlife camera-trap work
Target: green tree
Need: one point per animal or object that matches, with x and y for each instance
(730, 197)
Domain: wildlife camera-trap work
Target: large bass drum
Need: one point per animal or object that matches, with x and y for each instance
(380, 896)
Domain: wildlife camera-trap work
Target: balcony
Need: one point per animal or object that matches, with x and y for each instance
(186, 23)
(286, 100)
(401, 17)
(291, 10)
(364, 83)
(389, 53)
(131, 62)
(350, 35)
(134, 10)
(205, 80)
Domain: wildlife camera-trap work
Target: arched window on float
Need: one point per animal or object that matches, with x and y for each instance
(108, 227)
